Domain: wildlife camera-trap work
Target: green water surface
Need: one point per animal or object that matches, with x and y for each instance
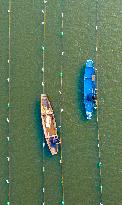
(80, 154)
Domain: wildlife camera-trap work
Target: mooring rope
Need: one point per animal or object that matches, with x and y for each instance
(99, 163)
(9, 104)
(43, 85)
(61, 92)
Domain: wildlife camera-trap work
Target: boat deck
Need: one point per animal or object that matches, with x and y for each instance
(49, 124)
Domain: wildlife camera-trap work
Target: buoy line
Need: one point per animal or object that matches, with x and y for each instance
(9, 104)
(43, 85)
(99, 163)
(61, 92)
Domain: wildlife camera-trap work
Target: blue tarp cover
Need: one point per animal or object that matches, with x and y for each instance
(89, 86)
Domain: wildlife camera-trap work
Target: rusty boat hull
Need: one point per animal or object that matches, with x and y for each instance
(49, 124)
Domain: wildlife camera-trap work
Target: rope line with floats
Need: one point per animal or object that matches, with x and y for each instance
(9, 95)
(60, 92)
(99, 163)
(43, 85)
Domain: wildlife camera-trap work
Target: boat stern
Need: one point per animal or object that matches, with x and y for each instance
(88, 115)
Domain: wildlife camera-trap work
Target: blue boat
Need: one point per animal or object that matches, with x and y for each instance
(89, 88)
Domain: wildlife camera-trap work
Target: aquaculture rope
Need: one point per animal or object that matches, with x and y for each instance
(61, 92)
(99, 163)
(9, 104)
(43, 46)
(43, 85)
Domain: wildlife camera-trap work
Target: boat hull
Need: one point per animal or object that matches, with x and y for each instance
(89, 89)
(49, 124)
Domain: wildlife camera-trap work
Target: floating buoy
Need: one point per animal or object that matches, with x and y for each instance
(8, 138)
(8, 79)
(7, 181)
(101, 188)
(7, 119)
(8, 158)
(61, 74)
(62, 110)
(60, 92)
(42, 22)
(62, 33)
(43, 48)
(100, 164)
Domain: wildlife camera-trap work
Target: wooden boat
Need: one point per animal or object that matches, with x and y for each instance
(49, 124)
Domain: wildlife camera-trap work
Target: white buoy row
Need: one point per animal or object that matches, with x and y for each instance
(8, 105)
(98, 137)
(61, 109)
(43, 85)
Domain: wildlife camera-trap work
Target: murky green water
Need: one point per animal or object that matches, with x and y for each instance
(79, 136)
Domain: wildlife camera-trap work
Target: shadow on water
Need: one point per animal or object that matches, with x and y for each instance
(40, 133)
(80, 91)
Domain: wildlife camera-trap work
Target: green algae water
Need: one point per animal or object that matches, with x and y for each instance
(80, 155)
